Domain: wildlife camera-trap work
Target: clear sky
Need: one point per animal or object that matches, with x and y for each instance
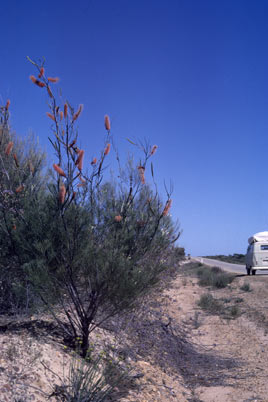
(188, 75)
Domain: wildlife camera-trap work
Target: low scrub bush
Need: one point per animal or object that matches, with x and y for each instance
(191, 268)
(234, 311)
(215, 306)
(88, 381)
(216, 270)
(208, 276)
(214, 277)
(246, 287)
(238, 300)
(221, 280)
(209, 303)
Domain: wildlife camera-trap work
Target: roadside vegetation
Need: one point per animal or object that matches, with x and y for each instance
(84, 259)
(214, 279)
(221, 307)
(246, 287)
(208, 276)
(75, 242)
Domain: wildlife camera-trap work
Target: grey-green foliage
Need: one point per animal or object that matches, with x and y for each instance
(214, 277)
(94, 266)
(21, 188)
(91, 379)
(209, 303)
(103, 240)
(217, 306)
(246, 287)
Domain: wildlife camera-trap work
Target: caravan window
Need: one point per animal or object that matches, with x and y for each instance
(264, 247)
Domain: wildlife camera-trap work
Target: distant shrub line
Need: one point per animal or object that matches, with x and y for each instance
(231, 258)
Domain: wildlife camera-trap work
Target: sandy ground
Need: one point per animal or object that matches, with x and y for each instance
(242, 340)
(177, 351)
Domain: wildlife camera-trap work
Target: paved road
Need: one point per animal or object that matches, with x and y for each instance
(239, 269)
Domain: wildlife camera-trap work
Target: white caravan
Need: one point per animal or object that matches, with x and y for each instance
(257, 253)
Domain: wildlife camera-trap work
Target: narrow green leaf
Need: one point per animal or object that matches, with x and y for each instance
(54, 144)
(30, 60)
(131, 142)
(152, 169)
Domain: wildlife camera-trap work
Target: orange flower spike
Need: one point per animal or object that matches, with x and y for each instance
(16, 160)
(141, 173)
(167, 207)
(36, 81)
(80, 164)
(79, 161)
(65, 110)
(94, 161)
(53, 79)
(59, 170)
(153, 150)
(19, 189)
(42, 70)
(107, 123)
(77, 114)
(62, 194)
(107, 149)
(9, 148)
(118, 218)
(51, 116)
(7, 104)
(14, 227)
(61, 115)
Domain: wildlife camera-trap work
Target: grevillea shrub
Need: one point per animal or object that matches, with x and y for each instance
(22, 185)
(100, 242)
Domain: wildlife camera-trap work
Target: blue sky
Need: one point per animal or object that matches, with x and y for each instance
(188, 75)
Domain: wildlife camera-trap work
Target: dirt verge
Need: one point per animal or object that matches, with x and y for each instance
(177, 351)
